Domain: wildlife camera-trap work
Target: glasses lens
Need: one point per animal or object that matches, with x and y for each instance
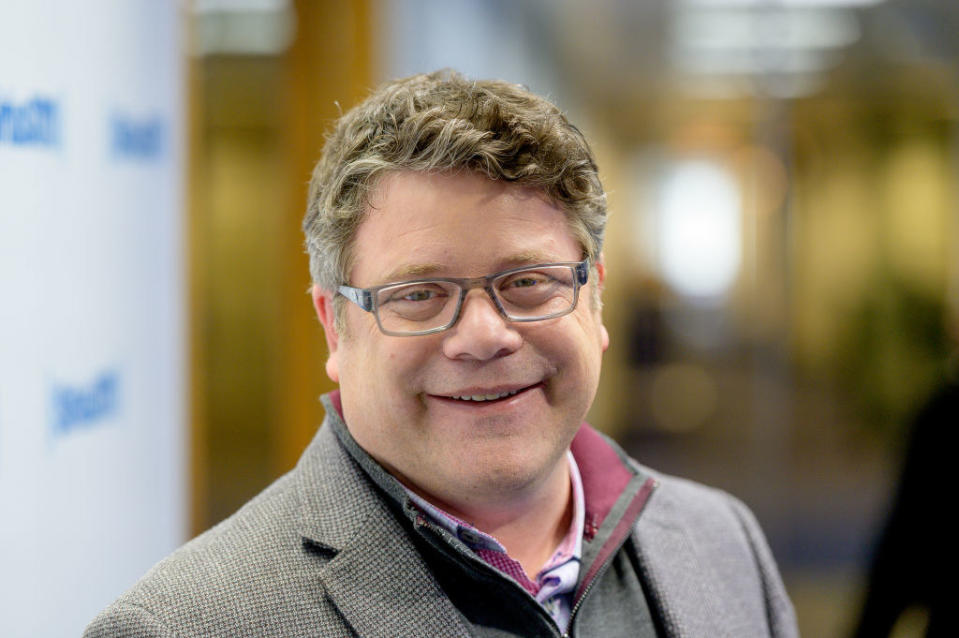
(537, 293)
(416, 306)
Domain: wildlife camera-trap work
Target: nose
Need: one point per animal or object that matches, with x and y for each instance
(481, 333)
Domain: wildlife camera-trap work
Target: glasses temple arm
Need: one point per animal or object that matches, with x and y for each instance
(582, 272)
(359, 296)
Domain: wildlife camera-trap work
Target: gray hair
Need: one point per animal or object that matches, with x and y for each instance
(444, 122)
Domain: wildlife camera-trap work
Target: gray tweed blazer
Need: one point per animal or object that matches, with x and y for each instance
(320, 553)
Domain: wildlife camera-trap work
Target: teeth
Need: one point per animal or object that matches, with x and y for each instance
(487, 397)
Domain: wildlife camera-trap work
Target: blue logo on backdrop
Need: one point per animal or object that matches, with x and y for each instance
(80, 406)
(32, 123)
(136, 139)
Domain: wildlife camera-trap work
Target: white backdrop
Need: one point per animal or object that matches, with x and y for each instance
(92, 332)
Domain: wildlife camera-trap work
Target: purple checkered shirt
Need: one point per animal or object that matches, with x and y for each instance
(556, 581)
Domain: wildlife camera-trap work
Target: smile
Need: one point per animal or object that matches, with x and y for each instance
(490, 396)
(486, 397)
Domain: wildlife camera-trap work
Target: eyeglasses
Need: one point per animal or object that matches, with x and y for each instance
(425, 306)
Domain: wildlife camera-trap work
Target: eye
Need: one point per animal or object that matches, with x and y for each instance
(526, 280)
(418, 295)
(414, 302)
(414, 294)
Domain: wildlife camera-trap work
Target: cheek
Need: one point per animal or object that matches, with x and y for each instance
(396, 366)
(590, 344)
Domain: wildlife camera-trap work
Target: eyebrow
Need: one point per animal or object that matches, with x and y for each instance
(411, 270)
(406, 271)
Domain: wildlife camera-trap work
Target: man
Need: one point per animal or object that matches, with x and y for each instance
(454, 231)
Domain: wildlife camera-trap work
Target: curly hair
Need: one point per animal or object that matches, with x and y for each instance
(443, 122)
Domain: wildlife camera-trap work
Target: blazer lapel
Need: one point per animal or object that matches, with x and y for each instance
(384, 589)
(677, 585)
(681, 582)
(376, 577)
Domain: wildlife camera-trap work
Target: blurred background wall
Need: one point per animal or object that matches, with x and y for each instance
(783, 290)
(93, 353)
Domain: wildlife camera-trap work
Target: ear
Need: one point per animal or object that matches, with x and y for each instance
(600, 283)
(323, 304)
(600, 266)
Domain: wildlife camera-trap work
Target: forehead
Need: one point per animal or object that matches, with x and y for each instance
(461, 224)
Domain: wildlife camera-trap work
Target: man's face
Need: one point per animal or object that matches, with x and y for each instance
(398, 392)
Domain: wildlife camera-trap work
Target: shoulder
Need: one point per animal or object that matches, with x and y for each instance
(253, 574)
(692, 535)
(701, 508)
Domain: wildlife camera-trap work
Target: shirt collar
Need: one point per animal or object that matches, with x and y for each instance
(570, 547)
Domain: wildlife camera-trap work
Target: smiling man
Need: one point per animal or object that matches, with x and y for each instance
(455, 232)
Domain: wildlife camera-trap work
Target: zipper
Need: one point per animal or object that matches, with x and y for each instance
(641, 498)
(639, 501)
(579, 603)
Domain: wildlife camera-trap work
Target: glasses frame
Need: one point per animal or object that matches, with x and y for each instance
(365, 298)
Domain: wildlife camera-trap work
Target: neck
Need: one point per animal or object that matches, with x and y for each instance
(530, 526)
